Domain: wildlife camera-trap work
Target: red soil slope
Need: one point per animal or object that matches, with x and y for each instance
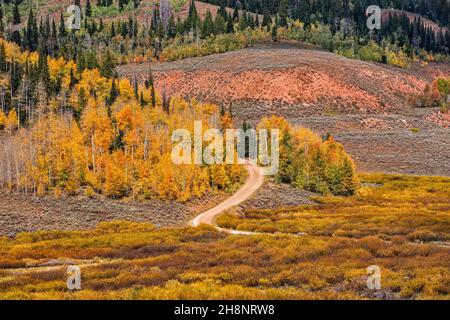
(286, 80)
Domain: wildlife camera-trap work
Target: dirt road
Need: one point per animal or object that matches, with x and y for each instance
(253, 183)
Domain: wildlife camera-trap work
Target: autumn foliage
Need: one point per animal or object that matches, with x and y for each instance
(310, 162)
(104, 136)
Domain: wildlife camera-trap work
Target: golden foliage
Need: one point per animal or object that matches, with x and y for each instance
(123, 260)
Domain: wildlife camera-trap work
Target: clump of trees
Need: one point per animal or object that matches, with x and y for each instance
(313, 163)
(81, 130)
(435, 95)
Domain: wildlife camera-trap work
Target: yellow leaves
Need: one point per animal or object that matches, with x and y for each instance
(130, 117)
(398, 59)
(304, 137)
(120, 150)
(56, 67)
(209, 108)
(97, 126)
(124, 118)
(275, 122)
(219, 176)
(308, 162)
(116, 181)
(226, 121)
(91, 80)
(59, 68)
(2, 119)
(13, 51)
(12, 121)
(126, 90)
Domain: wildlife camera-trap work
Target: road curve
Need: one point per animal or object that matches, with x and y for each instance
(254, 182)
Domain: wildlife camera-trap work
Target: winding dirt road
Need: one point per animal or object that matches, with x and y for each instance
(254, 182)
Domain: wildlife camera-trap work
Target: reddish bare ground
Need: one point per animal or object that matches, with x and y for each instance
(286, 80)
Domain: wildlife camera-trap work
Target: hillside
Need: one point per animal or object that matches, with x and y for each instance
(286, 80)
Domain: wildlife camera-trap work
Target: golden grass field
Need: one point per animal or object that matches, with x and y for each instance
(399, 223)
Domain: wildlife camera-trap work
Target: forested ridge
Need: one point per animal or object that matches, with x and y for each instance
(338, 26)
(165, 34)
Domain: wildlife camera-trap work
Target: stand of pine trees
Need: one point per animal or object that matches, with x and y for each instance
(127, 37)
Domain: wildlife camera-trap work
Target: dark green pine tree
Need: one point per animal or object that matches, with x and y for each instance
(165, 101)
(62, 26)
(114, 93)
(81, 62)
(54, 30)
(151, 85)
(73, 80)
(88, 9)
(124, 30)
(113, 30)
(283, 12)
(44, 73)
(275, 33)
(135, 88)
(245, 127)
(208, 25)
(82, 100)
(108, 65)
(219, 25)
(223, 12)
(230, 24)
(142, 101)
(155, 20)
(15, 78)
(122, 4)
(2, 57)
(171, 28)
(16, 13)
(236, 14)
(192, 20)
(30, 39)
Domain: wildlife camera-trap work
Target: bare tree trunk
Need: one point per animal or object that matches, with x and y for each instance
(93, 151)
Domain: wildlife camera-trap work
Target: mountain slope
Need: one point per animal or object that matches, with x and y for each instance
(285, 80)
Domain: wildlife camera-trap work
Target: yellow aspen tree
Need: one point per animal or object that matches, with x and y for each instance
(12, 121)
(2, 120)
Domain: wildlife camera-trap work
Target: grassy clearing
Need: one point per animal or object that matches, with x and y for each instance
(123, 260)
(137, 261)
(391, 207)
